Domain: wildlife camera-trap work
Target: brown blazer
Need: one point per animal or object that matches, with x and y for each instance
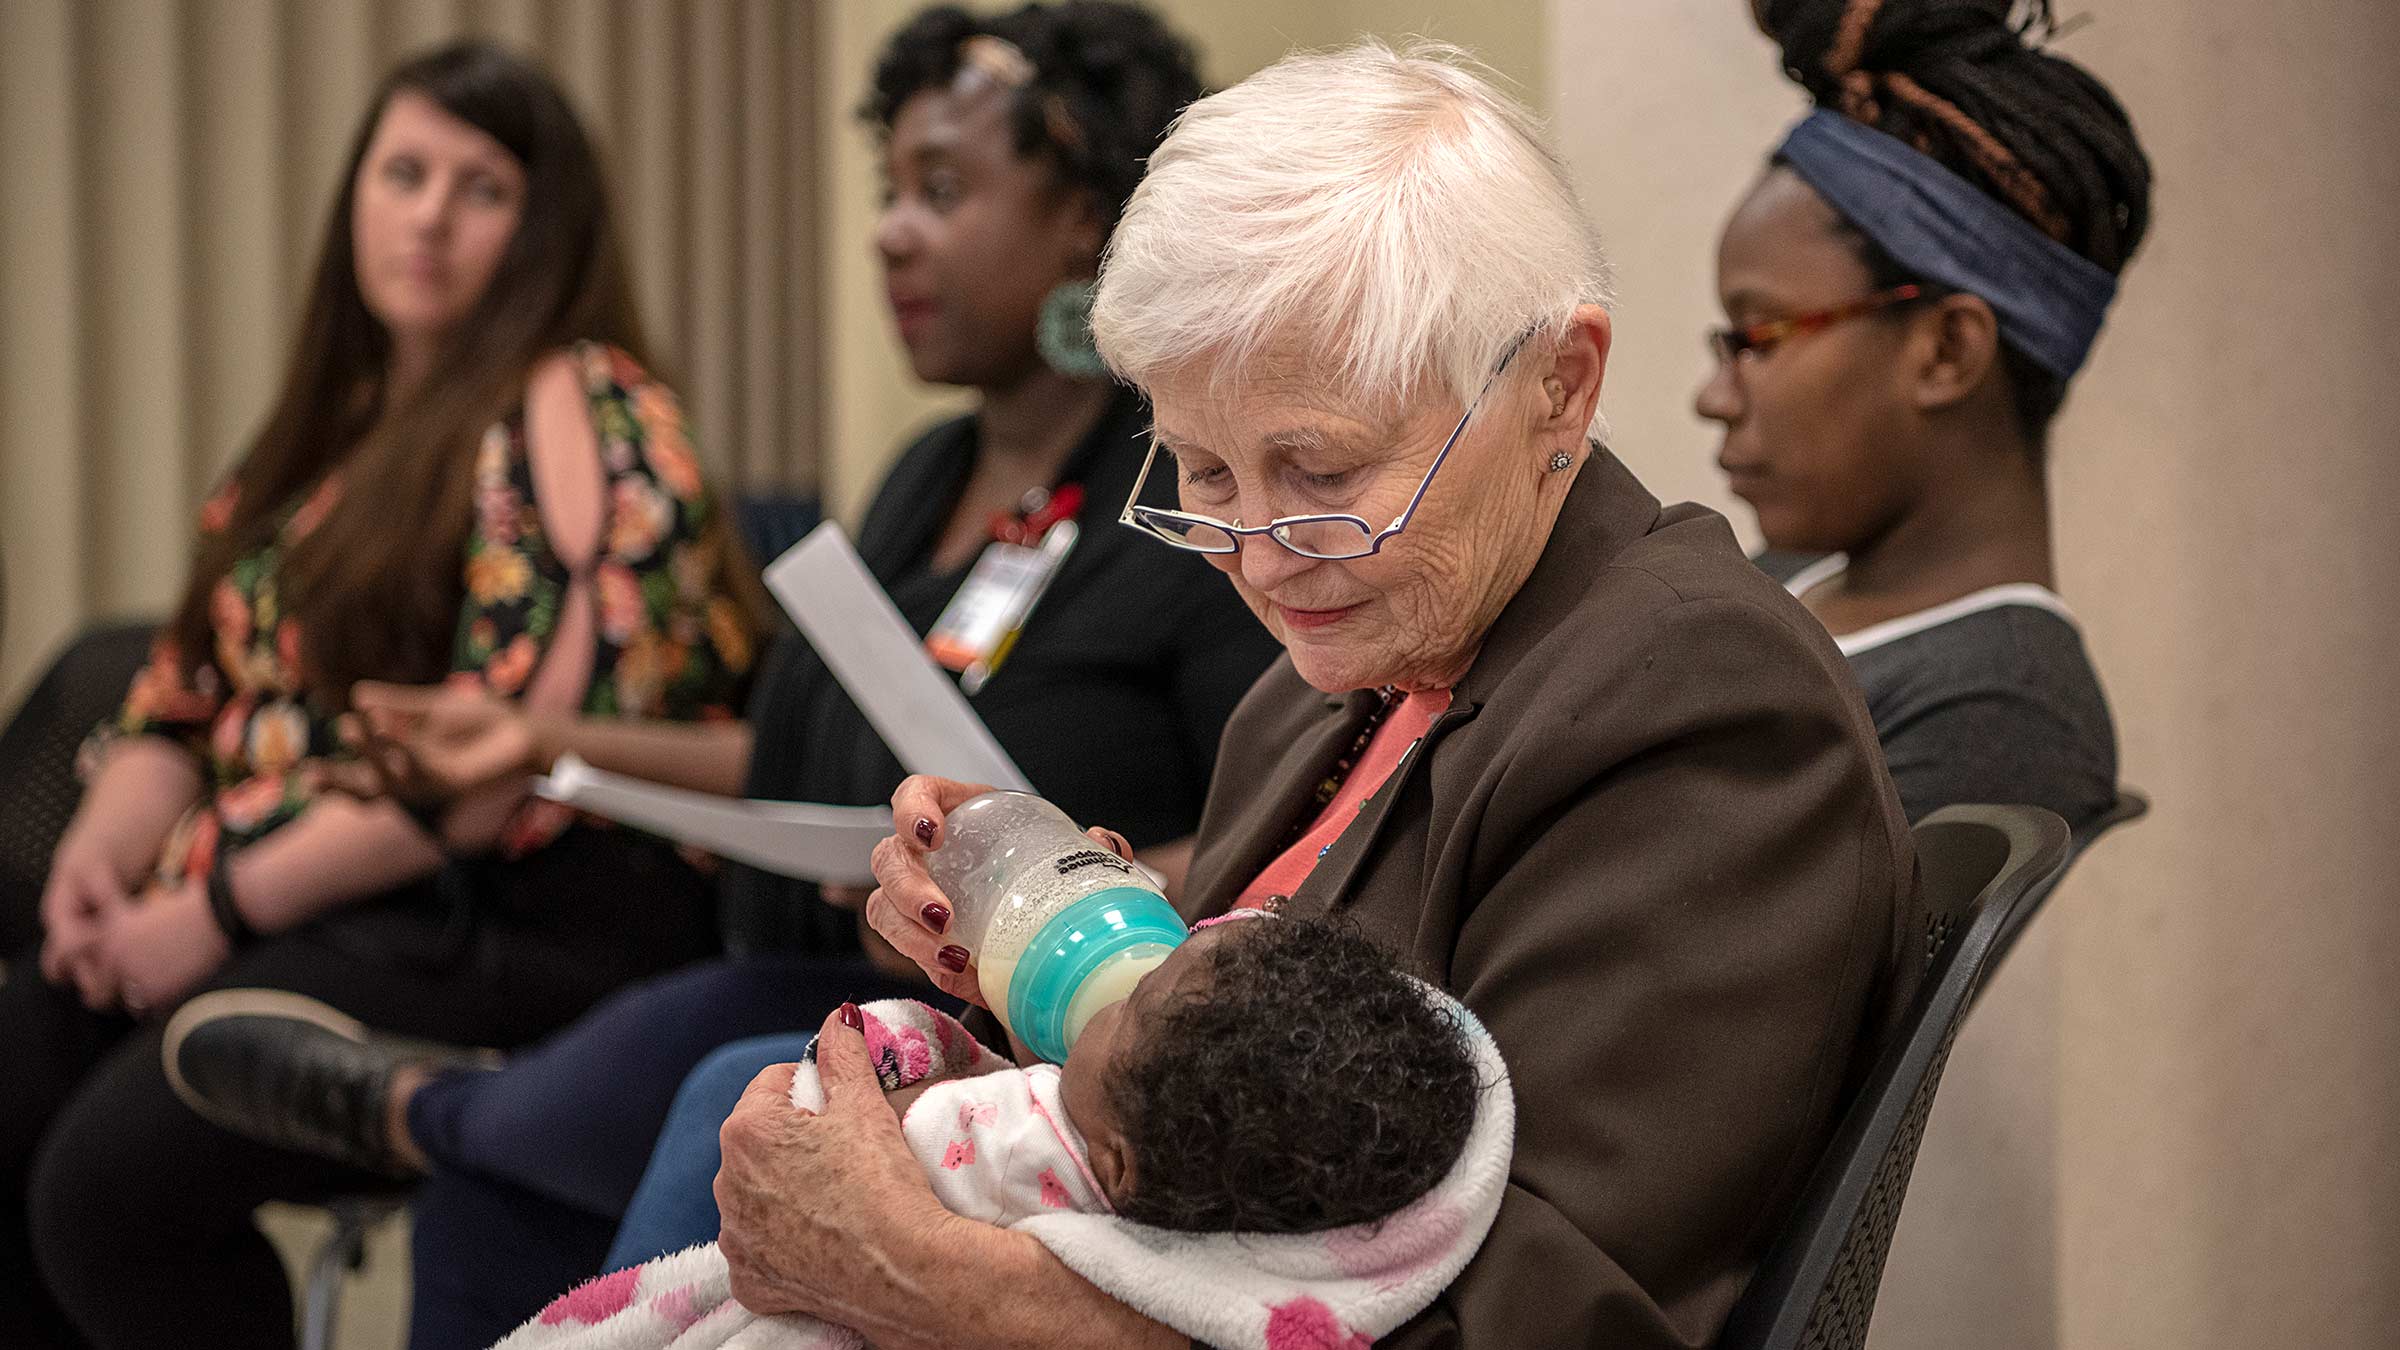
(1652, 845)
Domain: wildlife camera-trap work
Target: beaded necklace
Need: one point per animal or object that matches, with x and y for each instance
(1330, 786)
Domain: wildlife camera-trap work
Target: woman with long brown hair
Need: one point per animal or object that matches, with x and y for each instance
(468, 476)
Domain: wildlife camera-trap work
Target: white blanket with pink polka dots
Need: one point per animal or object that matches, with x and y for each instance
(997, 1145)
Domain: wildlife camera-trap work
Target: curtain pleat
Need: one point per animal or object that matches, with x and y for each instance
(43, 380)
(170, 164)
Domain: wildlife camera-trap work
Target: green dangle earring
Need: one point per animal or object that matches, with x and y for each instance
(1064, 333)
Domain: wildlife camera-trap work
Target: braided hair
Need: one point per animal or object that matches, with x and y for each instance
(1116, 72)
(1958, 80)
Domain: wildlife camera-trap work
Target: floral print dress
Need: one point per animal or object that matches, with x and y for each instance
(669, 643)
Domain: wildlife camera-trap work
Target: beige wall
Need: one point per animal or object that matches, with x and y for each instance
(167, 165)
(2230, 1076)
(873, 401)
(2173, 1123)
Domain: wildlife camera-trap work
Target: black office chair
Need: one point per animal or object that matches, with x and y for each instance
(2131, 805)
(770, 522)
(1816, 1289)
(343, 1251)
(38, 786)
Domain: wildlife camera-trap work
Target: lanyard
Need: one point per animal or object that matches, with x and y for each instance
(980, 625)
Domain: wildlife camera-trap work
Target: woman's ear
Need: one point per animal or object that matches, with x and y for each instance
(1083, 231)
(1577, 369)
(1959, 348)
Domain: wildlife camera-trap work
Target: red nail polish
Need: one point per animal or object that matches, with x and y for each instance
(925, 831)
(953, 959)
(851, 1017)
(936, 916)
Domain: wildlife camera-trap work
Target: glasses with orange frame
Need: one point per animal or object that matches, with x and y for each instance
(1756, 339)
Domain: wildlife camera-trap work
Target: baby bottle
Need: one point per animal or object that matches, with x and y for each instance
(1059, 926)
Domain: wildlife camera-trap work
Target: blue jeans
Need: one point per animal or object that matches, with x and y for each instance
(534, 1165)
(675, 1205)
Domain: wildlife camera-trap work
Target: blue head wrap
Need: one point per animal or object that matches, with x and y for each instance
(2050, 299)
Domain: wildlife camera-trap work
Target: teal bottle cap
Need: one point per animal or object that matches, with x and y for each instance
(1076, 942)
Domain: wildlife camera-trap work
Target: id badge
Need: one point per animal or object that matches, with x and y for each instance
(982, 620)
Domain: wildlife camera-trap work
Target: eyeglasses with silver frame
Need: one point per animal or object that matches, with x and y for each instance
(1328, 537)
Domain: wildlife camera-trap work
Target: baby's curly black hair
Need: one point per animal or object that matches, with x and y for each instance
(1120, 73)
(1299, 1082)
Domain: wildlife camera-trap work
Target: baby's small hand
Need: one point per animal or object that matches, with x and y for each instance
(900, 1099)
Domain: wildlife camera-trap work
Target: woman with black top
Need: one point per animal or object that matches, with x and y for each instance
(1910, 287)
(1010, 144)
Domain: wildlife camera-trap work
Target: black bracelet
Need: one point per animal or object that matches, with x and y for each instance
(220, 901)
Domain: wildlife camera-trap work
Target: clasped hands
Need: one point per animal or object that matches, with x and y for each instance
(123, 948)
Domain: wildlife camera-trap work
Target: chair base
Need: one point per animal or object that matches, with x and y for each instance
(343, 1251)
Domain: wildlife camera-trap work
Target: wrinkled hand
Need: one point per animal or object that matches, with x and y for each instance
(828, 1214)
(436, 743)
(848, 899)
(880, 954)
(160, 947)
(908, 909)
(886, 959)
(88, 886)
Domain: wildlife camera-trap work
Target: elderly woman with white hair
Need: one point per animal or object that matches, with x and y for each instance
(1565, 750)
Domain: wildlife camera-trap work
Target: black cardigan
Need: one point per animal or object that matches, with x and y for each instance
(1111, 701)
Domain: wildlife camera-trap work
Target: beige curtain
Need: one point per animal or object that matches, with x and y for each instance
(165, 166)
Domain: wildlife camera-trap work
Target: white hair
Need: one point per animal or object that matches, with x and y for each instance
(1391, 210)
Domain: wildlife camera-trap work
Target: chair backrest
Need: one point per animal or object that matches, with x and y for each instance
(770, 523)
(1816, 1289)
(38, 786)
(2131, 805)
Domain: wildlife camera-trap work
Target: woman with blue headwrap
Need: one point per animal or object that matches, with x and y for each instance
(1909, 288)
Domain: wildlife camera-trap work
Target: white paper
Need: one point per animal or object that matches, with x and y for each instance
(911, 701)
(827, 844)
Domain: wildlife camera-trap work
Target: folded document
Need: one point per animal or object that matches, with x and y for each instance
(914, 705)
(826, 844)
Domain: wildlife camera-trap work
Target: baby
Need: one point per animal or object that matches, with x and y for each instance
(1279, 1139)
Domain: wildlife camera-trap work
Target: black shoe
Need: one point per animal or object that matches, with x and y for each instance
(287, 1070)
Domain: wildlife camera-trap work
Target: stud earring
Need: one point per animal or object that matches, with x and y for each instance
(1561, 462)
